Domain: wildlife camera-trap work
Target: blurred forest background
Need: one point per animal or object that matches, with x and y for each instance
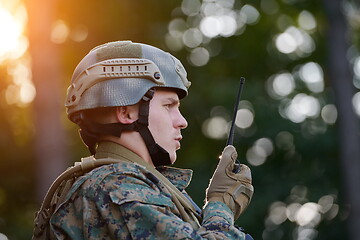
(297, 125)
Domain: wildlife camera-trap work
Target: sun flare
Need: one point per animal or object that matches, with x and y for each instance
(13, 46)
(13, 43)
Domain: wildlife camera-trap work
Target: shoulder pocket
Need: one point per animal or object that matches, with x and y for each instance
(139, 191)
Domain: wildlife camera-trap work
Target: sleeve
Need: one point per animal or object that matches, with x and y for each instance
(148, 213)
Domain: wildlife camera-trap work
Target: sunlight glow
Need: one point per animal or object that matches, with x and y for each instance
(13, 46)
(12, 42)
(22, 91)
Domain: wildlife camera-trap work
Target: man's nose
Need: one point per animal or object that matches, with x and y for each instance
(181, 121)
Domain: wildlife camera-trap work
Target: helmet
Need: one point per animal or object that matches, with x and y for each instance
(123, 73)
(120, 73)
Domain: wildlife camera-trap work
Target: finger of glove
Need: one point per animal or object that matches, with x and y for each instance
(220, 181)
(246, 173)
(229, 155)
(243, 175)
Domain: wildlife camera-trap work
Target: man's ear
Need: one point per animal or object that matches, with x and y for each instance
(126, 114)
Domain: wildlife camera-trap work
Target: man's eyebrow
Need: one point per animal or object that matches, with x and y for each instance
(173, 101)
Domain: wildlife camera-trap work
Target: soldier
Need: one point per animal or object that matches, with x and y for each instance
(125, 98)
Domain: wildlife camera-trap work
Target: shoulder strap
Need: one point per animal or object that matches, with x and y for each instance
(185, 207)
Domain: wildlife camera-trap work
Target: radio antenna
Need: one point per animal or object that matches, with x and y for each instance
(230, 140)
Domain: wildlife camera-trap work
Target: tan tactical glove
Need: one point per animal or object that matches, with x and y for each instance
(233, 189)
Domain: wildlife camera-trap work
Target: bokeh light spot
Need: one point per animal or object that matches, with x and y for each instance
(285, 43)
(79, 33)
(192, 37)
(294, 40)
(190, 7)
(312, 74)
(329, 113)
(278, 213)
(174, 43)
(210, 26)
(301, 107)
(291, 211)
(307, 21)
(59, 32)
(356, 103)
(251, 13)
(326, 202)
(281, 85)
(27, 93)
(199, 56)
(215, 127)
(244, 118)
(258, 153)
(356, 67)
(309, 214)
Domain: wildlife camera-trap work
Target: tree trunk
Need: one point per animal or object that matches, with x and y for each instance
(341, 80)
(49, 145)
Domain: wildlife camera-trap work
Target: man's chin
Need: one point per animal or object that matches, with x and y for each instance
(173, 158)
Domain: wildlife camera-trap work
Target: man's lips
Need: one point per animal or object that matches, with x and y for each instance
(178, 139)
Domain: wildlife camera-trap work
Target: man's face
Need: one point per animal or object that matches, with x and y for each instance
(166, 121)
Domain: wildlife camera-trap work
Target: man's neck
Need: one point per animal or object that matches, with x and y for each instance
(133, 142)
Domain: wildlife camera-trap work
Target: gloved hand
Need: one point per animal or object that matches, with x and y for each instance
(233, 189)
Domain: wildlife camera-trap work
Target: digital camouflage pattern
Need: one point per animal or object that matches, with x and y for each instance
(126, 201)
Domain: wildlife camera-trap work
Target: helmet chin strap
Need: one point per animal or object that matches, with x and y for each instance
(90, 131)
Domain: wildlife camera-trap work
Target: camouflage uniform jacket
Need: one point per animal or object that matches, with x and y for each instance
(125, 201)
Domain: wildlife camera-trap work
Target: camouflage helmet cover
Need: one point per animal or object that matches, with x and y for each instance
(120, 73)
